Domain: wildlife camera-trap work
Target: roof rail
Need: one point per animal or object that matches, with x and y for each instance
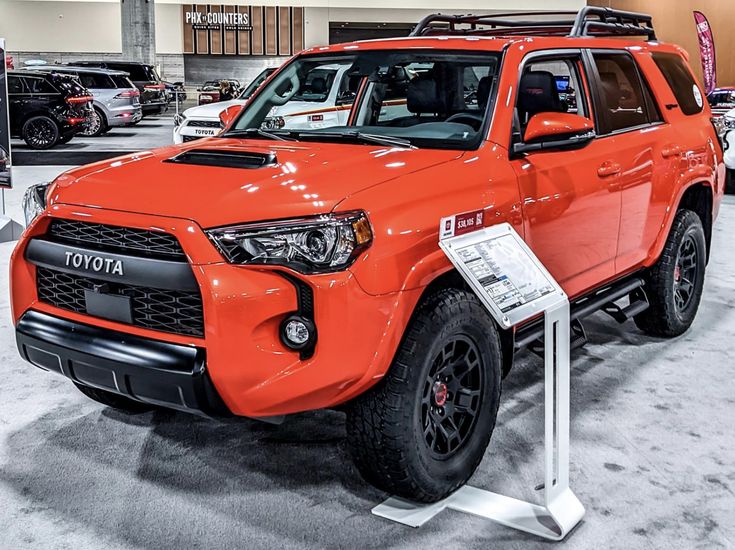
(589, 21)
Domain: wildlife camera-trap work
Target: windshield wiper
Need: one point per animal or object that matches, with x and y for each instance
(363, 136)
(259, 132)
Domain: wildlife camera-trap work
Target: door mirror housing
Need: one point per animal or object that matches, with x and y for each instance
(227, 116)
(546, 131)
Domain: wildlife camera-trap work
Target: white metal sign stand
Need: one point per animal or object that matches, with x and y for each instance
(514, 286)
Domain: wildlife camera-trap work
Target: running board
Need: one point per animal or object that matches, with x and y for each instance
(589, 304)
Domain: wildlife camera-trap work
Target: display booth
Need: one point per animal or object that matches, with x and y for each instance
(515, 287)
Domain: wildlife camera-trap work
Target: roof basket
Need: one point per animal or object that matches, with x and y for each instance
(589, 21)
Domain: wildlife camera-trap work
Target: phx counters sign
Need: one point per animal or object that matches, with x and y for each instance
(218, 20)
(215, 29)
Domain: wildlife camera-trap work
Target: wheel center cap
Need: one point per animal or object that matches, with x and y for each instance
(677, 274)
(440, 393)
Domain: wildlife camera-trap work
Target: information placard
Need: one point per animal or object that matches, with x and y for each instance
(504, 272)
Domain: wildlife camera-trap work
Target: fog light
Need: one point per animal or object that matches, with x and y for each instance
(298, 332)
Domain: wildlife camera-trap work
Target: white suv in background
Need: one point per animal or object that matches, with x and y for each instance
(324, 100)
(730, 148)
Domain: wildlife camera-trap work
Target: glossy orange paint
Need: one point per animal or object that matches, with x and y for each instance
(545, 125)
(591, 215)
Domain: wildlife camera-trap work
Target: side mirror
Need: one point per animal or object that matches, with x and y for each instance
(227, 116)
(555, 131)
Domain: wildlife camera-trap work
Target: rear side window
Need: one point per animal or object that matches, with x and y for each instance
(626, 99)
(39, 86)
(681, 82)
(122, 81)
(96, 80)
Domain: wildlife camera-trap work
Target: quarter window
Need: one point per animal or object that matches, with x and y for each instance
(626, 100)
(681, 82)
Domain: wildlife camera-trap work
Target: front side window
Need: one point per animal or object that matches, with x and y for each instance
(15, 84)
(626, 101)
(419, 98)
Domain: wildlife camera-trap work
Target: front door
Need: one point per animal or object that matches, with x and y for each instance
(571, 203)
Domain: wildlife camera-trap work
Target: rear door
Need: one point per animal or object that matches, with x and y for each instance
(571, 211)
(642, 151)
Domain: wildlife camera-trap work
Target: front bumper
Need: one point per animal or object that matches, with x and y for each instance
(151, 371)
(186, 132)
(253, 372)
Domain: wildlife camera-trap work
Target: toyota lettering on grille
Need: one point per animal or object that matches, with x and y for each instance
(94, 263)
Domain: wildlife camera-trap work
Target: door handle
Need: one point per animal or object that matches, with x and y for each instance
(609, 168)
(670, 151)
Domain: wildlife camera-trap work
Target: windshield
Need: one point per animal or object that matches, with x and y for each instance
(416, 98)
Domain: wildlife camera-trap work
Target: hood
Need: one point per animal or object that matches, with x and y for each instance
(303, 179)
(211, 110)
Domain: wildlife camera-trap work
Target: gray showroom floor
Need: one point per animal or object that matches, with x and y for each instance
(152, 131)
(653, 454)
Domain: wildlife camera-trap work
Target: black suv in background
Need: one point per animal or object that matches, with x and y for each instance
(46, 108)
(153, 96)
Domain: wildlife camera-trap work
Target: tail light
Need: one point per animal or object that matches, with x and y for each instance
(75, 120)
(79, 99)
(127, 94)
(155, 87)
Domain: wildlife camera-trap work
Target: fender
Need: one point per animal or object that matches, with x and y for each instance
(701, 176)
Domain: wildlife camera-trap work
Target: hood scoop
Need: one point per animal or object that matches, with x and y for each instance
(224, 159)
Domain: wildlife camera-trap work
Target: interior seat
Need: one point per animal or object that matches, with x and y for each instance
(537, 94)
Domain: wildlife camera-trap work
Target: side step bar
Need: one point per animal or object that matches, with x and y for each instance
(603, 299)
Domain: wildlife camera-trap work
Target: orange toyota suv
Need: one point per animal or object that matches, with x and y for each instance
(272, 270)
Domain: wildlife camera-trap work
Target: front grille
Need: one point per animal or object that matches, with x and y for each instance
(205, 123)
(137, 242)
(175, 311)
(190, 138)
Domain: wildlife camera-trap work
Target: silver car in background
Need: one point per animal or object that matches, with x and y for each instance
(116, 98)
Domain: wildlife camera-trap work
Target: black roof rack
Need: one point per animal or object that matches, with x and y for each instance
(589, 21)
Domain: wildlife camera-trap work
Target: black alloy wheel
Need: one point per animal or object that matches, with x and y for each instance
(40, 132)
(685, 273)
(421, 432)
(451, 397)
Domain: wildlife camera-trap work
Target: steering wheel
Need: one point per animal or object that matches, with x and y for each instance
(471, 119)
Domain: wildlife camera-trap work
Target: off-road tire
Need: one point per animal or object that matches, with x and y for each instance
(664, 317)
(119, 402)
(384, 426)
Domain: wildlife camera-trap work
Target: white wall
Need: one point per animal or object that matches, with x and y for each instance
(33, 26)
(94, 26)
(169, 28)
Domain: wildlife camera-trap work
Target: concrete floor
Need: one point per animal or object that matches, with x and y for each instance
(653, 454)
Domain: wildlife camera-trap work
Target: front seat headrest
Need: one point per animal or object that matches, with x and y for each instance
(424, 95)
(538, 94)
(318, 85)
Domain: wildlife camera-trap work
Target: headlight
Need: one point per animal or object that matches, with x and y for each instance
(179, 120)
(34, 201)
(308, 245)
